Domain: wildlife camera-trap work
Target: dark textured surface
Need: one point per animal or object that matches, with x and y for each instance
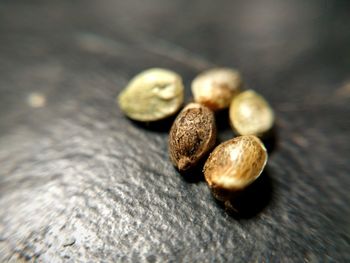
(81, 183)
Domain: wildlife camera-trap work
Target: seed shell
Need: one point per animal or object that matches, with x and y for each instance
(152, 95)
(192, 135)
(251, 114)
(235, 164)
(216, 87)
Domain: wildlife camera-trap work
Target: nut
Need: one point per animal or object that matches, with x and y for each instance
(192, 135)
(215, 88)
(152, 95)
(234, 164)
(251, 114)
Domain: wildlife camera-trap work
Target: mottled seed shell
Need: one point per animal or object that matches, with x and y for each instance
(192, 135)
(215, 88)
(235, 164)
(152, 95)
(251, 114)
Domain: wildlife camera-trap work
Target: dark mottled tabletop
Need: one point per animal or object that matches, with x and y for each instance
(79, 182)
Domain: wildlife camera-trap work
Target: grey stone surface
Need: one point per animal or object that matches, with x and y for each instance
(79, 182)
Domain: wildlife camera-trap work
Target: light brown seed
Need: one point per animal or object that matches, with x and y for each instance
(251, 114)
(216, 87)
(192, 135)
(235, 164)
(152, 95)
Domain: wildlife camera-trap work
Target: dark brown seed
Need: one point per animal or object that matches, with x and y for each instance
(192, 135)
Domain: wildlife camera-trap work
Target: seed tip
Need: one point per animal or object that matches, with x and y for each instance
(184, 164)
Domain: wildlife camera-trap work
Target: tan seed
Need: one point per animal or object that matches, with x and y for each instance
(235, 164)
(216, 87)
(192, 135)
(152, 95)
(251, 114)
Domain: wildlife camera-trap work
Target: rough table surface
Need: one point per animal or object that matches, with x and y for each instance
(79, 182)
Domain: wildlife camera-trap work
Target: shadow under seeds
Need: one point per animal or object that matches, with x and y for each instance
(161, 126)
(223, 120)
(270, 140)
(252, 200)
(195, 174)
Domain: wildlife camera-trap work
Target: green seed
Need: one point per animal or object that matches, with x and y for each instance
(235, 164)
(251, 114)
(216, 87)
(192, 135)
(152, 95)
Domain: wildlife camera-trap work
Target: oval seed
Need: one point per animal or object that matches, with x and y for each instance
(251, 114)
(215, 88)
(235, 164)
(152, 95)
(192, 135)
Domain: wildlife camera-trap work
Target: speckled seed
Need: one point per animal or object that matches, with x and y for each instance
(216, 87)
(235, 164)
(152, 95)
(251, 114)
(192, 135)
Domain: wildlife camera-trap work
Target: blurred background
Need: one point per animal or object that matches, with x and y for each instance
(79, 182)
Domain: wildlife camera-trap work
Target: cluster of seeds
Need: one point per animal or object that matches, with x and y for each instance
(233, 165)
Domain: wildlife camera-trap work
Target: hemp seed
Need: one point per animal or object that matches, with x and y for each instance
(152, 95)
(216, 87)
(251, 114)
(234, 164)
(192, 135)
